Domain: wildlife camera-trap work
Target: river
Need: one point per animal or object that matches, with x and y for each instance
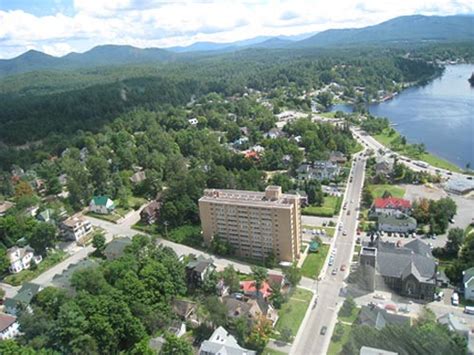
(439, 114)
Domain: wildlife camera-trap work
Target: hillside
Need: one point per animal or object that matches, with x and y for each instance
(406, 29)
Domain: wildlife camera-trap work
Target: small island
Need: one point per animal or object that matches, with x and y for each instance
(471, 79)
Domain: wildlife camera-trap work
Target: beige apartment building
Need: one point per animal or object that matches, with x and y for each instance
(254, 223)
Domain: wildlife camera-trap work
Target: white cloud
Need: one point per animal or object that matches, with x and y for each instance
(161, 23)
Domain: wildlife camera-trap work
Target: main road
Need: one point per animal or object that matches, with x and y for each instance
(329, 288)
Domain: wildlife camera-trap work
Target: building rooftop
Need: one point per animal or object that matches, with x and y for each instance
(73, 220)
(271, 197)
(366, 350)
(460, 185)
(221, 342)
(6, 321)
(396, 220)
(392, 202)
(378, 318)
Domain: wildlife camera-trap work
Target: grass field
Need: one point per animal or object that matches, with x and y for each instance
(49, 261)
(431, 159)
(314, 262)
(329, 208)
(293, 311)
(378, 190)
(335, 347)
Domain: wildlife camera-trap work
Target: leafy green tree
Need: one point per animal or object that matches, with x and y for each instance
(4, 261)
(292, 274)
(276, 297)
(176, 346)
(286, 335)
(347, 307)
(44, 237)
(455, 241)
(259, 274)
(99, 242)
(231, 278)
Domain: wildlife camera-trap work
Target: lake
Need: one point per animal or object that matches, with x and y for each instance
(439, 114)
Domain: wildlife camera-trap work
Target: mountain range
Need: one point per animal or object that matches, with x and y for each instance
(406, 29)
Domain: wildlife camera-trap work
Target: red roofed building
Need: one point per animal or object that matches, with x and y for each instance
(248, 287)
(391, 205)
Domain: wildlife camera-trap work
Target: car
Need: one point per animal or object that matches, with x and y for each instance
(331, 262)
(452, 221)
(469, 177)
(358, 240)
(349, 212)
(323, 331)
(334, 272)
(343, 267)
(406, 235)
(344, 233)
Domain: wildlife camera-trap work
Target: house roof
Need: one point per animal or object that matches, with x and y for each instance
(274, 278)
(24, 295)
(249, 287)
(45, 215)
(221, 342)
(116, 247)
(468, 276)
(454, 323)
(392, 202)
(366, 350)
(63, 280)
(100, 200)
(235, 307)
(400, 262)
(378, 317)
(151, 209)
(200, 263)
(138, 177)
(182, 307)
(5, 206)
(6, 321)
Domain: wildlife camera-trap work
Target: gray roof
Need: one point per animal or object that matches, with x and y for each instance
(411, 259)
(63, 280)
(116, 248)
(468, 276)
(378, 318)
(200, 263)
(24, 295)
(454, 323)
(222, 343)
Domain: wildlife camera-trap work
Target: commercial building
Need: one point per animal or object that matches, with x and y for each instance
(256, 224)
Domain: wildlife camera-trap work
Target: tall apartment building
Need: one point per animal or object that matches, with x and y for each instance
(254, 223)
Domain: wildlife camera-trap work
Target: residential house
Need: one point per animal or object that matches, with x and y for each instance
(220, 343)
(101, 205)
(151, 212)
(337, 157)
(222, 288)
(396, 223)
(116, 248)
(240, 142)
(198, 269)
(8, 326)
(274, 133)
(21, 258)
(251, 309)
(193, 121)
(4, 207)
(138, 177)
(409, 270)
(468, 283)
(319, 170)
(75, 227)
(249, 288)
(384, 166)
(390, 206)
(458, 325)
(186, 311)
(63, 280)
(22, 298)
(46, 216)
(378, 318)
(366, 350)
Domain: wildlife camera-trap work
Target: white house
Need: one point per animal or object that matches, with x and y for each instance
(75, 227)
(468, 283)
(8, 326)
(101, 205)
(20, 258)
(221, 342)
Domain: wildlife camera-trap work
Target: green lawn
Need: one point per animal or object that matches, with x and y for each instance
(49, 261)
(292, 312)
(335, 347)
(314, 262)
(268, 351)
(378, 190)
(408, 150)
(329, 208)
(113, 217)
(351, 319)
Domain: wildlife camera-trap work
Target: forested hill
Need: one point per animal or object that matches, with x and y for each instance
(401, 30)
(406, 29)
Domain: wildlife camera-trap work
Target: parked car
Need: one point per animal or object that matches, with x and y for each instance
(334, 272)
(323, 331)
(343, 267)
(344, 233)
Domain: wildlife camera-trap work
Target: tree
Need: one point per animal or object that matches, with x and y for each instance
(259, 274)
(347, 307)
(4, 261)
(23, 189)
(325, 99)
(315, 193)
(217, 311)
(276, 297)
(98, 242)
(367, 197)
(43, 238)
(260, 334)
(176, 346)
(455, 240)
(221, 247)
(286, 335)
(231, 278)
(292, 274)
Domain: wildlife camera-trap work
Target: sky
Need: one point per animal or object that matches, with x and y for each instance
(58, 27)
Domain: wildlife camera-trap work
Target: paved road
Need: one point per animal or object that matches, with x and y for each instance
(372, 143)
(308, 339)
